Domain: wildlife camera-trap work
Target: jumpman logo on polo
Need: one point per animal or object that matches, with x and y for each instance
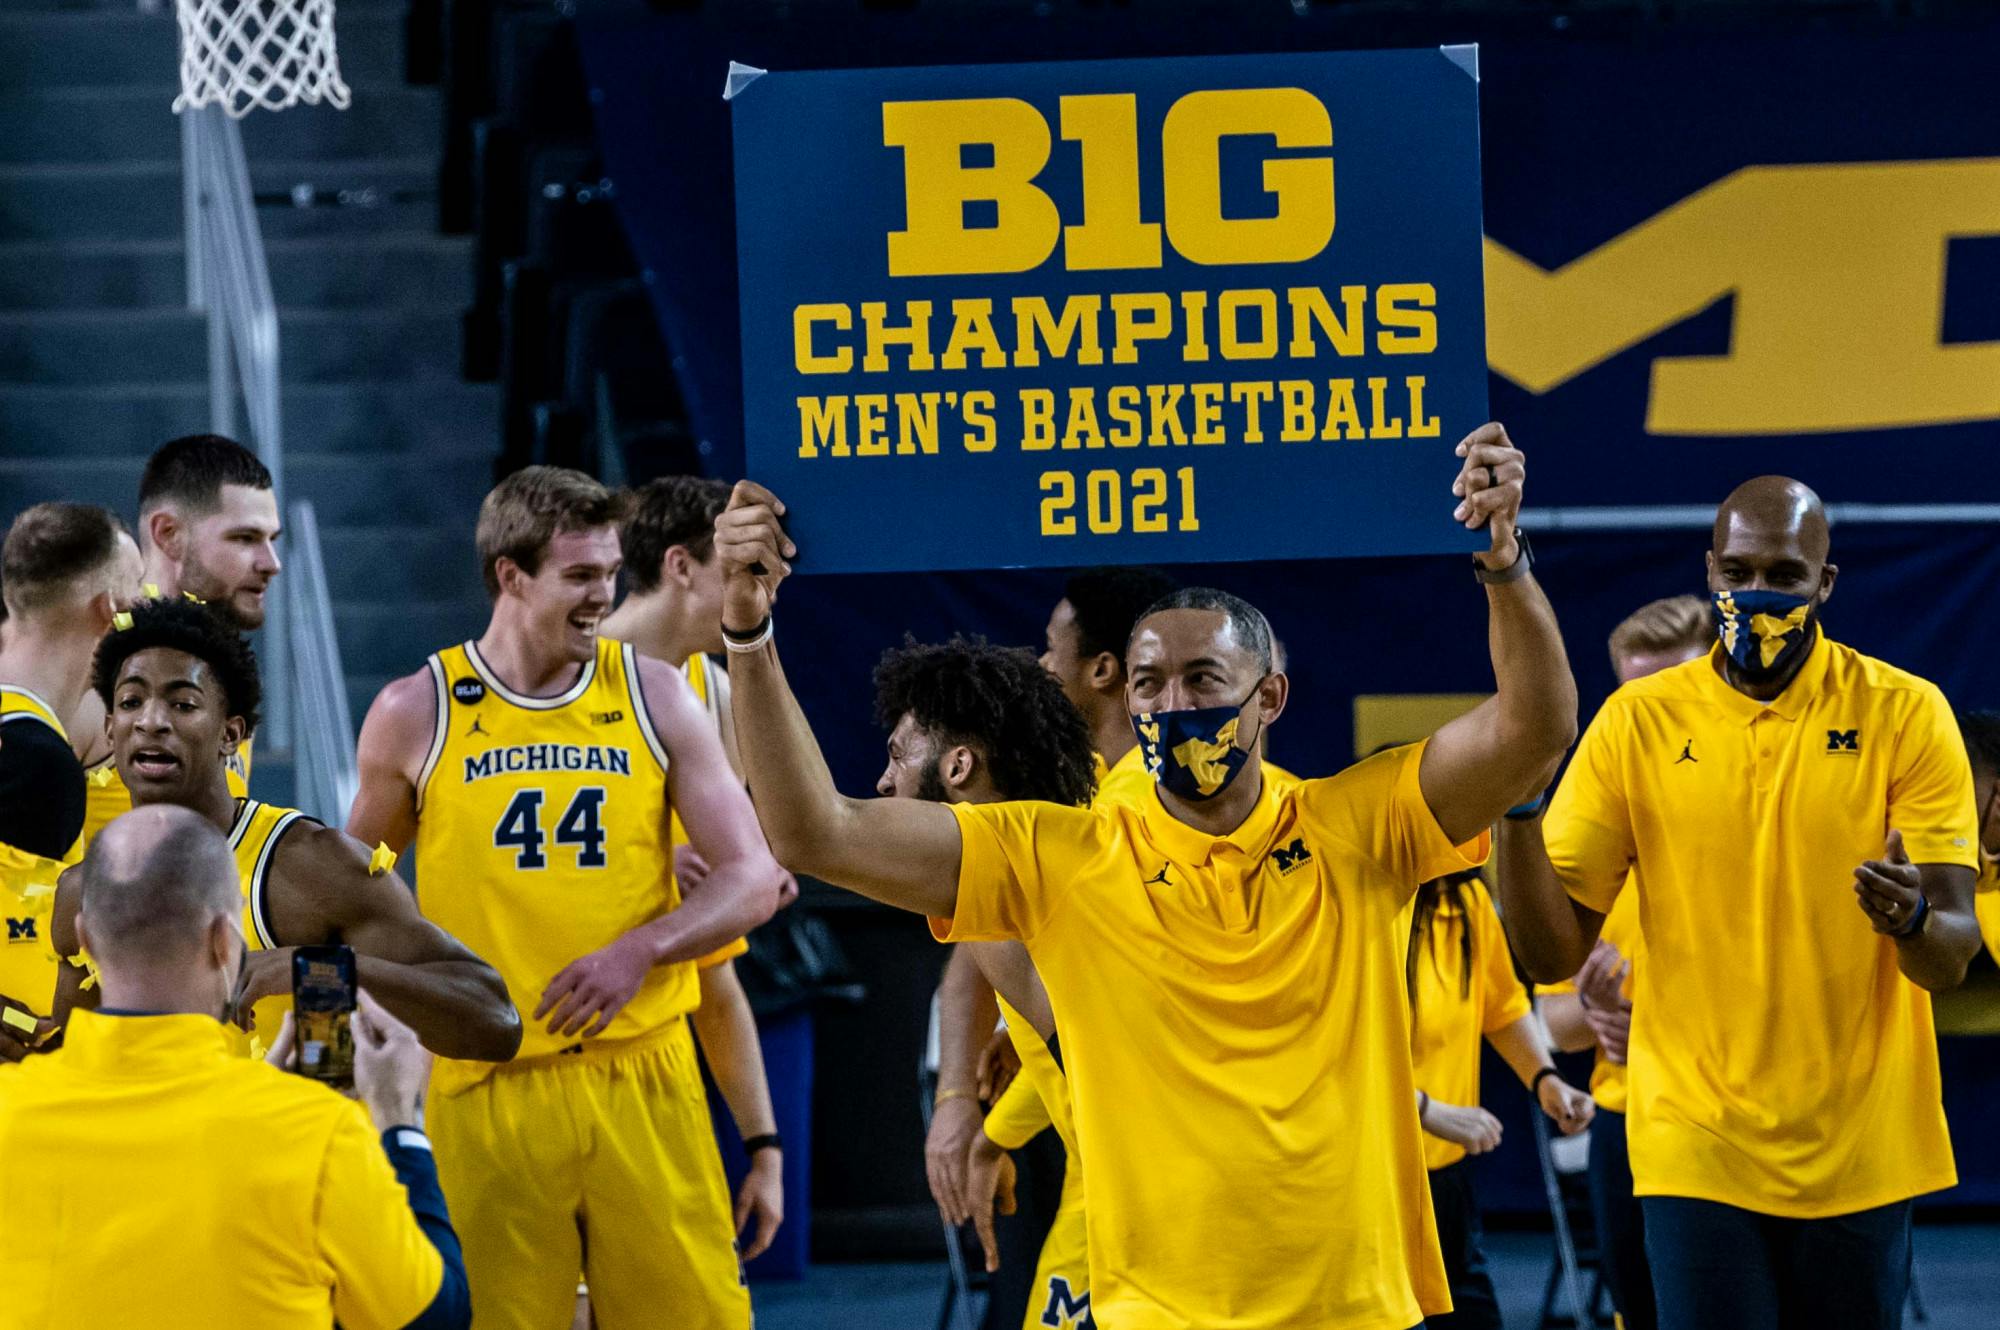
(1160, 881)
(1687, 754)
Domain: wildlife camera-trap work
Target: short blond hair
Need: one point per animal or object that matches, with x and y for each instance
(530, 508)
(1676, 623)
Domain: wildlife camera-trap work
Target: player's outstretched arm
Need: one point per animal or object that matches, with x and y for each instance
(1500, 753)
(322, 888)
(903, 852)
(394, 738)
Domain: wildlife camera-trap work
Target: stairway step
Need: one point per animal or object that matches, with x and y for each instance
(345, 491)
(124, 124)
(72, 202)
(171, 346)
(391, 270)
(352, 418)
(123, 47)
(389, 565)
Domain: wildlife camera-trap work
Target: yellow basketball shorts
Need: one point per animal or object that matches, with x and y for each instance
(602, 1161)
(1061, 1296)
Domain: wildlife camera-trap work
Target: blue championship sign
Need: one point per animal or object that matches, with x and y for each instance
(1178, 311)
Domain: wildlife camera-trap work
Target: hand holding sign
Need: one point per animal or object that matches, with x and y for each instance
(754, 548)
(1490, 484)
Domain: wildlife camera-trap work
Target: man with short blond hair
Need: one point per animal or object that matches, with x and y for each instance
(538, 769)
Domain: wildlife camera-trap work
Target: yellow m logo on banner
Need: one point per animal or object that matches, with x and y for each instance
(1838, 273)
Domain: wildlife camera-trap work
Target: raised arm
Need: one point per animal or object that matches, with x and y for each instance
(1485, 762)
(903, 852)
(324, 889)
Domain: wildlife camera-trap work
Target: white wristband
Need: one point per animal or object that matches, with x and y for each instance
(754, 644)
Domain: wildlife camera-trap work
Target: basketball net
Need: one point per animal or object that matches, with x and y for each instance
(244, 54)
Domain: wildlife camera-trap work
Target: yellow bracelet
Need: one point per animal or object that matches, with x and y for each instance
(943, 1095)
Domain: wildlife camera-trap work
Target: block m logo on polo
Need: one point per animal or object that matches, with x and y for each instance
(1837, 271)
(1291, 856)
(1844, 741)
(21, 930)
(1065, 1309)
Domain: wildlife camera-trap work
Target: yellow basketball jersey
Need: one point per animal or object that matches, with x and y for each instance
(106, 799)
(27, 885)
(542, 834)
(253, 839)
(1044, 1073)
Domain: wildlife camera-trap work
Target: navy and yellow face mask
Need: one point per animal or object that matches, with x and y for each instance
(1764, 632)
(1192, 752)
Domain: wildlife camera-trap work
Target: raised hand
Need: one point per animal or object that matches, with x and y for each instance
(1489, 488)
(1889, 889)
(754, 550)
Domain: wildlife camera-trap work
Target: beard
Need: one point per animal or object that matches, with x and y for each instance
(200, 582)
(931, 786)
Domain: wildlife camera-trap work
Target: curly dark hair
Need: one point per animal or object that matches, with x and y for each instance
(1982, 738)
(998, 700)
(185, 625)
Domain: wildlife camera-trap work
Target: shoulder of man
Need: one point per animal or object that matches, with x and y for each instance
(42, 790)
(1853, 672)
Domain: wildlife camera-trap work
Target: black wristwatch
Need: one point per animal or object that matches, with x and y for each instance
(1523, 563)
(768, 1141)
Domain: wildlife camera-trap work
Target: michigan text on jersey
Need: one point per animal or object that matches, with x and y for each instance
(547, 757)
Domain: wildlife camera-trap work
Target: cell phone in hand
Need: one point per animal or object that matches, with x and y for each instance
(323, 988)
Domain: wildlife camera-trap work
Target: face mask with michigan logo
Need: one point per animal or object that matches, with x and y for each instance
(1763, 631)
(1192, 753)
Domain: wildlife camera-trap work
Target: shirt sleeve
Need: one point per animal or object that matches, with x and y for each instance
(1930, 787)
(1986, 907)
(1588, 828)
(1504, 998)
(1018, 1117)
(728, 951)
(386, 1271)
(1015, 861)
(41, 790)
(1377, 806)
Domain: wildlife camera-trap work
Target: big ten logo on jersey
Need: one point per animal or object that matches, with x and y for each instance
(1066, 1310)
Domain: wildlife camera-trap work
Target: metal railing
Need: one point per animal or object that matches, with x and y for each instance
(306, 715)
(328, 777)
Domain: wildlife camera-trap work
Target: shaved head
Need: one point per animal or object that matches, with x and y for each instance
(1778, 505)
(154, 882)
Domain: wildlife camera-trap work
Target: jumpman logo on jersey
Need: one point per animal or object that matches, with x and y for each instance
(1160, 881)
(1687, 754)
(477, 728)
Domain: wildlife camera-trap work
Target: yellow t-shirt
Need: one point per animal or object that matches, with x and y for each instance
(1037, 1098)
(28, 960)
(106, 799)
(1236, 1038)
(1780, 1062)
(1452, 1018)
(550, 816)
(153, 1179)
(1621, 930)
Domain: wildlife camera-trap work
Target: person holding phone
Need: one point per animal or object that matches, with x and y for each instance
(170, 1184)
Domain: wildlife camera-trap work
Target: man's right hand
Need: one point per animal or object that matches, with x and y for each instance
(754, 550)
(390, 1067)
(17, 1042)
(954, 1124)
(1472, 1128)
(990, 1190)
(1600, 987)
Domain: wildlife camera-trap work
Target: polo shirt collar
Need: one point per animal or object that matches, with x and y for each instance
(1189, 845)
(135, 1047)
(1790, 704)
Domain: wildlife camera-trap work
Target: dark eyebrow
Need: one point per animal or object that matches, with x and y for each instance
(1199, 662)
(168, 687)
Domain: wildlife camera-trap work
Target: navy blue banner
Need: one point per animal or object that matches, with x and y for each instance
(1109, 312)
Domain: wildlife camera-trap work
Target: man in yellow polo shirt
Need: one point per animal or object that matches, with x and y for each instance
(1796, 822)
(154, 1179)
(1226, 962)
(1982, 743)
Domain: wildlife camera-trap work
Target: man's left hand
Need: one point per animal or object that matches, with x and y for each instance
(761, 1197)
(1889, 889)
(1489, 489)
(598, 985)
(1568, 1107)
(266, 973)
